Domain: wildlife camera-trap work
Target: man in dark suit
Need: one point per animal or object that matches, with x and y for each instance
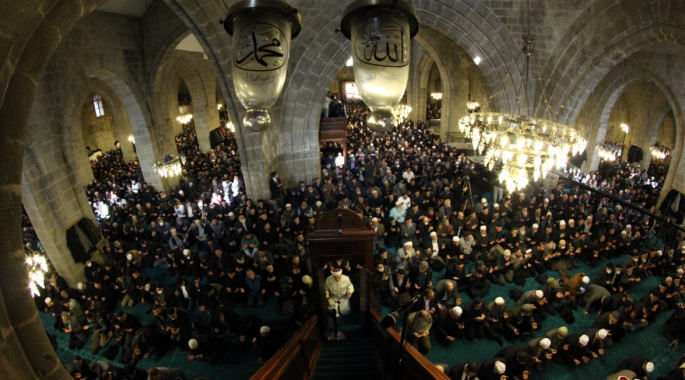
(428, 303)
(463, 371)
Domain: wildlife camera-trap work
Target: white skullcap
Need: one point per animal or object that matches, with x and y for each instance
(407, 243)
(147, 287)
(546, 199)
(433, 233)
(507, 253)
(562, 223)
(288, 205)
(484, 200)
(680, 270)
(186, 252)
(80, 286)
(306, 279)
(455, 238)
(500, 368)
(583, 339)
(629, 226)
(318, 203)
(659, 252)
(483, 228)
(48, 300)
(231, 213)
(499, 301)
(496, 205)
(265, 330)
(535, 225)
(539, 294)
(602, 334)
(545, 343)
(129, 257)
(624, 232)
(336, 272)
(374, 219)
(586, 280)
(193, 344)
(649, 367)
(456, 311)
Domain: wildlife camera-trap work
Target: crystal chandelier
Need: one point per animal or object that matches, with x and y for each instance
(37, 266)
(625, 128)
(660, 152)
(472, 106)
(436, 95)
(184, 119)
(523, 144)
(169, 166)
(401, 112)
(609, 151)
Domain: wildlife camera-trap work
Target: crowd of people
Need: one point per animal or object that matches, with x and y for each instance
(433, 210)
(211, 243)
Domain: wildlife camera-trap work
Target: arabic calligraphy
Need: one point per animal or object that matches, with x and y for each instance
(260, 47)
(382, 43)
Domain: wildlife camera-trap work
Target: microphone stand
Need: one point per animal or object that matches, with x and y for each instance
(403, 336)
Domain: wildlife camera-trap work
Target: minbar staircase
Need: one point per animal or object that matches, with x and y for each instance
(348, 359)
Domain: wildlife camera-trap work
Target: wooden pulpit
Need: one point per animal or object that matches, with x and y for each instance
(341, 234)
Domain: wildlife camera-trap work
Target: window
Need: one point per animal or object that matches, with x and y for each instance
(97, 103)
(350, 90)
(349, 62)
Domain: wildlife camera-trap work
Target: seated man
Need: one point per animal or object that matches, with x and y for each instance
(447, 294)
(417, 335)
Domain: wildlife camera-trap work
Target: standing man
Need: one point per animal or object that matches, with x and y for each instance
(339, 290)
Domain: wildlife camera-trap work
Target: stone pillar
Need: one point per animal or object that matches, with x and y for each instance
(202, 129)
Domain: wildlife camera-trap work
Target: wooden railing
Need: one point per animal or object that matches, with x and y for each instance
(385, 345)
(297, 358)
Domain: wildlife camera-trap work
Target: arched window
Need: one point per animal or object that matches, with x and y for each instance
(97, 103)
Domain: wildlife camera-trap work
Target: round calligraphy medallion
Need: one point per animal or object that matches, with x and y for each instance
(260, 47)
(382, 42)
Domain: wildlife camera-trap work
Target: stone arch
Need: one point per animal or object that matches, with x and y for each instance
(202, 93)
(598, 41)
(609, 90)
(423, 71)
(105, 69)
(36, 29)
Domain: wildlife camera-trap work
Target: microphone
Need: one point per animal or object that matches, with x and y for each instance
(390, 319)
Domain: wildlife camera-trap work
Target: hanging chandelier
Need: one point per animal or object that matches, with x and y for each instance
(169, 166)
(401, 112)
(37, 267)
(525, 146)
(660, 152)
(609, 151)
(625, 128)
(436, 95)
(184, 119)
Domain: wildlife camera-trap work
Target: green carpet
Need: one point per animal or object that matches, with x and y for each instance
(649, 342)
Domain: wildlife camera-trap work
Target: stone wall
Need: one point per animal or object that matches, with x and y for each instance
(98, 132)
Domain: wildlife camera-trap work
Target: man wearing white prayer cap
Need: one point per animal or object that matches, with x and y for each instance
(492, 369)
(539, 351)
(639, 364)
(339, 290)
